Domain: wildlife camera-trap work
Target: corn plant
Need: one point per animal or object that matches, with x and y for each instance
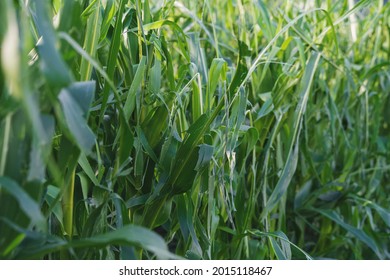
(194, 129)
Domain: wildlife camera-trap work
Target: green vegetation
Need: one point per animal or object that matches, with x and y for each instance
(194, 129)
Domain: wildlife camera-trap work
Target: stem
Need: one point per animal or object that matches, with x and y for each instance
(4, 151)
(67, 205)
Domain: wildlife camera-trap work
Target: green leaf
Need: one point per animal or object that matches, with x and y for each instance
(185, 160)
(266, 108)
(278, 251)
(91, 38)
(135, 85)
(383, 213)
(292, 158)
(53, 66)
(40, 150)
(239, 78)
(281, 236)
(252, 136)
(218, 69)
(186, 218)
(51, 198)
(75, 101)
(112, 58)
(358, 233)
(204, 156)
(145, 144)
(160, 23)
(40, 245)
(26, 203)
(86, 166)
(155, 77)
(157, 211)
(109, 13)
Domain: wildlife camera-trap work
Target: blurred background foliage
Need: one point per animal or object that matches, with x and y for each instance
(194, 129)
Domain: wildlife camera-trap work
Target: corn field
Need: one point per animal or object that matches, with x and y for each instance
(137, 129)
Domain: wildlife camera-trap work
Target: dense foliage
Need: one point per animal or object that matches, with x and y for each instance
(197, 129)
